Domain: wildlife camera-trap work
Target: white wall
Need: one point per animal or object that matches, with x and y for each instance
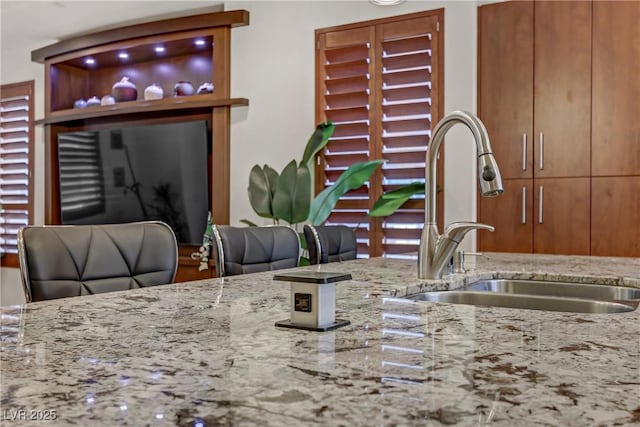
(275, 127)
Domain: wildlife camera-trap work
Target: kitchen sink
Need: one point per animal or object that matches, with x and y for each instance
(522, 301)
(556, 289)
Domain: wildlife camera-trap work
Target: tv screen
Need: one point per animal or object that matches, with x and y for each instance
(150, 172)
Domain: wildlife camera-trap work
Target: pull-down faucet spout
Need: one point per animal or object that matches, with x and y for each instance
(436, 249)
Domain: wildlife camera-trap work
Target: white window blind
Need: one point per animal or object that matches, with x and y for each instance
(81, 178)
(376, 82)
(16, 154)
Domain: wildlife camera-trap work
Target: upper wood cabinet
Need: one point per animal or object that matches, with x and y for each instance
(534, 86)
(562, 88)
(505, 84)
(616, 88)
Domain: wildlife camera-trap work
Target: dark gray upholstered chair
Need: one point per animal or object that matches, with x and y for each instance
(330, 243)
(58, 261)
(240, 250)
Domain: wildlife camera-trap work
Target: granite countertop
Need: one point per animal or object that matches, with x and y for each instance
(207, 353)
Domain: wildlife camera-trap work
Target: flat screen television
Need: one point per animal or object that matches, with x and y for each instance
(137, 173)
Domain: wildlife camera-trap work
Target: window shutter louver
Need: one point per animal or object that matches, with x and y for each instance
(16, 141)
(345, 85)
(375, 83)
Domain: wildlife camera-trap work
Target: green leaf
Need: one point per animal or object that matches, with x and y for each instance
(356, 175)
(293, 193)
(303, 241)
(272, 177)
(260, 190)
(249, 223)
(317, 142)
(304, 261)
(391, 201)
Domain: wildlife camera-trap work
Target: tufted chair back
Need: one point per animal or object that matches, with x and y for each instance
(58, 261)
(330, 243)
(240, 250)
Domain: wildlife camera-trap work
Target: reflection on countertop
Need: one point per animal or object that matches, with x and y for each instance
(207, 353)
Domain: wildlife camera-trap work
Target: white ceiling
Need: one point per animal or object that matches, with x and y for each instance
(34, 24)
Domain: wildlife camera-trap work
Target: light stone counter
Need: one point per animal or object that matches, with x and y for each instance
(207, 353)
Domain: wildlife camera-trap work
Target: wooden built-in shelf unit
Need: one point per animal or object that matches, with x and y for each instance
(89, 65)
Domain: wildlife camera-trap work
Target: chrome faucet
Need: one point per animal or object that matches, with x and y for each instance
(436, 249)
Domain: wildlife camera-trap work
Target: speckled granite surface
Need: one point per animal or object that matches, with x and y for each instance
(207, 353)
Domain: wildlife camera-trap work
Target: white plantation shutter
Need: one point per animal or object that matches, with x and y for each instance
(378, 83)
(16, 165)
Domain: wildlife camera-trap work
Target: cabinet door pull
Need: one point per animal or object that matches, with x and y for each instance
(524, 151)
(541, 202)
(524, 205)
(541, 151)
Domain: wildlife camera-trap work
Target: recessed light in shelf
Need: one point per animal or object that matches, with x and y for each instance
(199, 42)
(90, 61)
(159, 49)
(123, 55)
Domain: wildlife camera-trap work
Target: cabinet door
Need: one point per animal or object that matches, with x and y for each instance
(616, 88)
(561, 211)
(562, 88)
(615, 216)
(510, 213)
(505, 83)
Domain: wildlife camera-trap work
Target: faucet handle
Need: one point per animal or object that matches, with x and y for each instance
(459, 258)
(457, 230)
(475, 254)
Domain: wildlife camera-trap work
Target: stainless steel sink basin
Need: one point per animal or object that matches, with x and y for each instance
(530, 302)
(557, 289)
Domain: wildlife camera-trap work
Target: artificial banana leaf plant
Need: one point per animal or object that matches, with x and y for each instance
(287, 196)
(392, 200)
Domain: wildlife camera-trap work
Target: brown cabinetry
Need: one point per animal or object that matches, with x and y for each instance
(551, 217)
(615, 216)
(615, 144)
(561, 216)
(505, 84)
(534, 96)
(568, 73)
(616, 89)
(193, 48)
(511, 215)
(562, 88)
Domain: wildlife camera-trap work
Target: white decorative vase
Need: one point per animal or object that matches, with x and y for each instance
(107, 100)
(153, 92)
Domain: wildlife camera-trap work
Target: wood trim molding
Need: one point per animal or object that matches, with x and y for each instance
(141, 107)
(438, 12)
(9, 261)
(233, 18)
